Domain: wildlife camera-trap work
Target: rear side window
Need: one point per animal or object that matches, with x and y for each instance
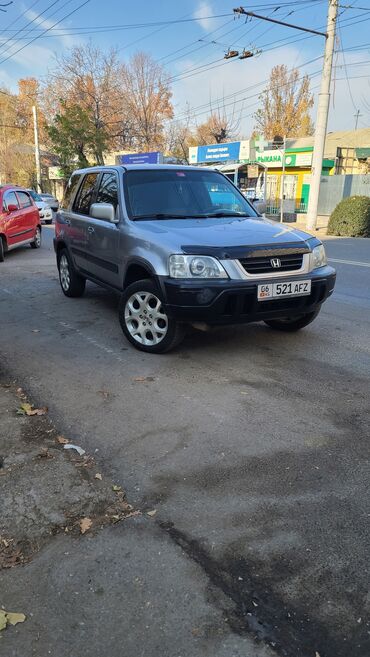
(85, 194)
(108, 189)
(10, 199)
(24, 199)
(70, 190)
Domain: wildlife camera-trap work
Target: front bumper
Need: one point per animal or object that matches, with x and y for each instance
(46, 215)
(235, 301)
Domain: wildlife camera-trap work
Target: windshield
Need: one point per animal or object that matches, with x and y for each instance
(35, 195)
(182, 194)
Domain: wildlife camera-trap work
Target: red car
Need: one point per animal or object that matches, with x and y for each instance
(19, 219)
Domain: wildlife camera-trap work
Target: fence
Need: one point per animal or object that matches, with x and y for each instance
(334, 188)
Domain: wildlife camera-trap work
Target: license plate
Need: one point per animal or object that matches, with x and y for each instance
(287, 289)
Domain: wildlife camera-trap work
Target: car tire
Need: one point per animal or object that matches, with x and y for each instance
(2, 250)
(72, 284)
(144, 320)
(37, 239)
(291, 324)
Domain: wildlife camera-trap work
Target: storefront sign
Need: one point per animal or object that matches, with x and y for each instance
(141, 158)
(252, 170)
(298, 159)
(231, 151)
(271, 159)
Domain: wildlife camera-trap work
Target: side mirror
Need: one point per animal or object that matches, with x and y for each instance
(103, 211)
(260, 206)
(12, 207)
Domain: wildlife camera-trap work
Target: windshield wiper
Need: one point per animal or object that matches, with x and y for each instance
(225, 213)
(163, 215)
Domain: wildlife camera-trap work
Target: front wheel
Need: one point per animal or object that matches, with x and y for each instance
(292, 324)
(37, 239)
(71, 283)
(144, 320)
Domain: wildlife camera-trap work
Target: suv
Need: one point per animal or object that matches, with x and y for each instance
(19, 220)
(181, 244)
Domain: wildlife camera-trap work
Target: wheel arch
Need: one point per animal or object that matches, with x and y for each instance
(138, 269)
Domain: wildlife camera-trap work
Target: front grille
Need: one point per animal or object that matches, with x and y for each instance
(288, 262)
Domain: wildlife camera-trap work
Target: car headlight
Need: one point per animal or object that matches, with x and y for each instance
(319, 256)
(191, 266)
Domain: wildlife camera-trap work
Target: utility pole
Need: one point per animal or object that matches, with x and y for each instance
(357, 116)
(282, 184)
(322, 117)
(37, 149)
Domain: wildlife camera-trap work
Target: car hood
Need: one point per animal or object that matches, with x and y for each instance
(222, 233)
(42, 205)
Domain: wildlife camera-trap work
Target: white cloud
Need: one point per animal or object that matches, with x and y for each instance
(47, 23)
(201, 13)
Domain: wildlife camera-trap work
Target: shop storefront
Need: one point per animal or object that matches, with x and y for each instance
(295, 174)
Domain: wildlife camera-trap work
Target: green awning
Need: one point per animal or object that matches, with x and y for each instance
(362, 153)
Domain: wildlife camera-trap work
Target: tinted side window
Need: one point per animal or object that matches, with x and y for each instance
(24, 200)
(70, 190)
(10, 199)
(85, 194)
(108, 189)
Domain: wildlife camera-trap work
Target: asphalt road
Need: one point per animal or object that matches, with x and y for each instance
(253, 447)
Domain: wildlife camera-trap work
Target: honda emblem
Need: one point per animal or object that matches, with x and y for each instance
(275, 263)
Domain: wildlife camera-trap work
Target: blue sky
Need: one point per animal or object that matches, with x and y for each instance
(184, 46)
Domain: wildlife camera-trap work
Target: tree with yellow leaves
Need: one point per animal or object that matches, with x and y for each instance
(285, 105)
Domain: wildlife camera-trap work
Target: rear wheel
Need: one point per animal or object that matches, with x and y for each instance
(292, 324)
(144, 320)
(37, 239)
(1, 250)
(72, 284)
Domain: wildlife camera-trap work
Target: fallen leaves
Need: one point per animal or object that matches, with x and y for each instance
(151, 513)
(116, 489)
(98, 476)
(10, 557)
(85, 525)
(104, 393)
(28, 409)
(10, 618)
(44, 454)
(62, 441)
(143, 379)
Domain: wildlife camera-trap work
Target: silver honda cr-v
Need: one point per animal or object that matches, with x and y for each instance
(182, 245)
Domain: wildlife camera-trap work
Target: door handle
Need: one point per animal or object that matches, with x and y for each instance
(91, 229)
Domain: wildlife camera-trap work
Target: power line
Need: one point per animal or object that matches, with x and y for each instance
(47, 30)
(29, 23)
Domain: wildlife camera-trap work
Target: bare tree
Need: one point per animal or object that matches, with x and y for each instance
(285, 105)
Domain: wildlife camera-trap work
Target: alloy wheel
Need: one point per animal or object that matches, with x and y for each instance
(145, 318)
(65, 277)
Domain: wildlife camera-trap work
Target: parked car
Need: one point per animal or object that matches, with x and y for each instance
(19, 220)
(181, 244)
(51, 200)
(45, 211)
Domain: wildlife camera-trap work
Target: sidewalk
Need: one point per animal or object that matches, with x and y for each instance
(93, 576)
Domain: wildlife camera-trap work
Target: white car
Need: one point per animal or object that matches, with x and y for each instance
(45, 211)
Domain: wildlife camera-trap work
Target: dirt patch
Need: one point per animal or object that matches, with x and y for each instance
(46, 489)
